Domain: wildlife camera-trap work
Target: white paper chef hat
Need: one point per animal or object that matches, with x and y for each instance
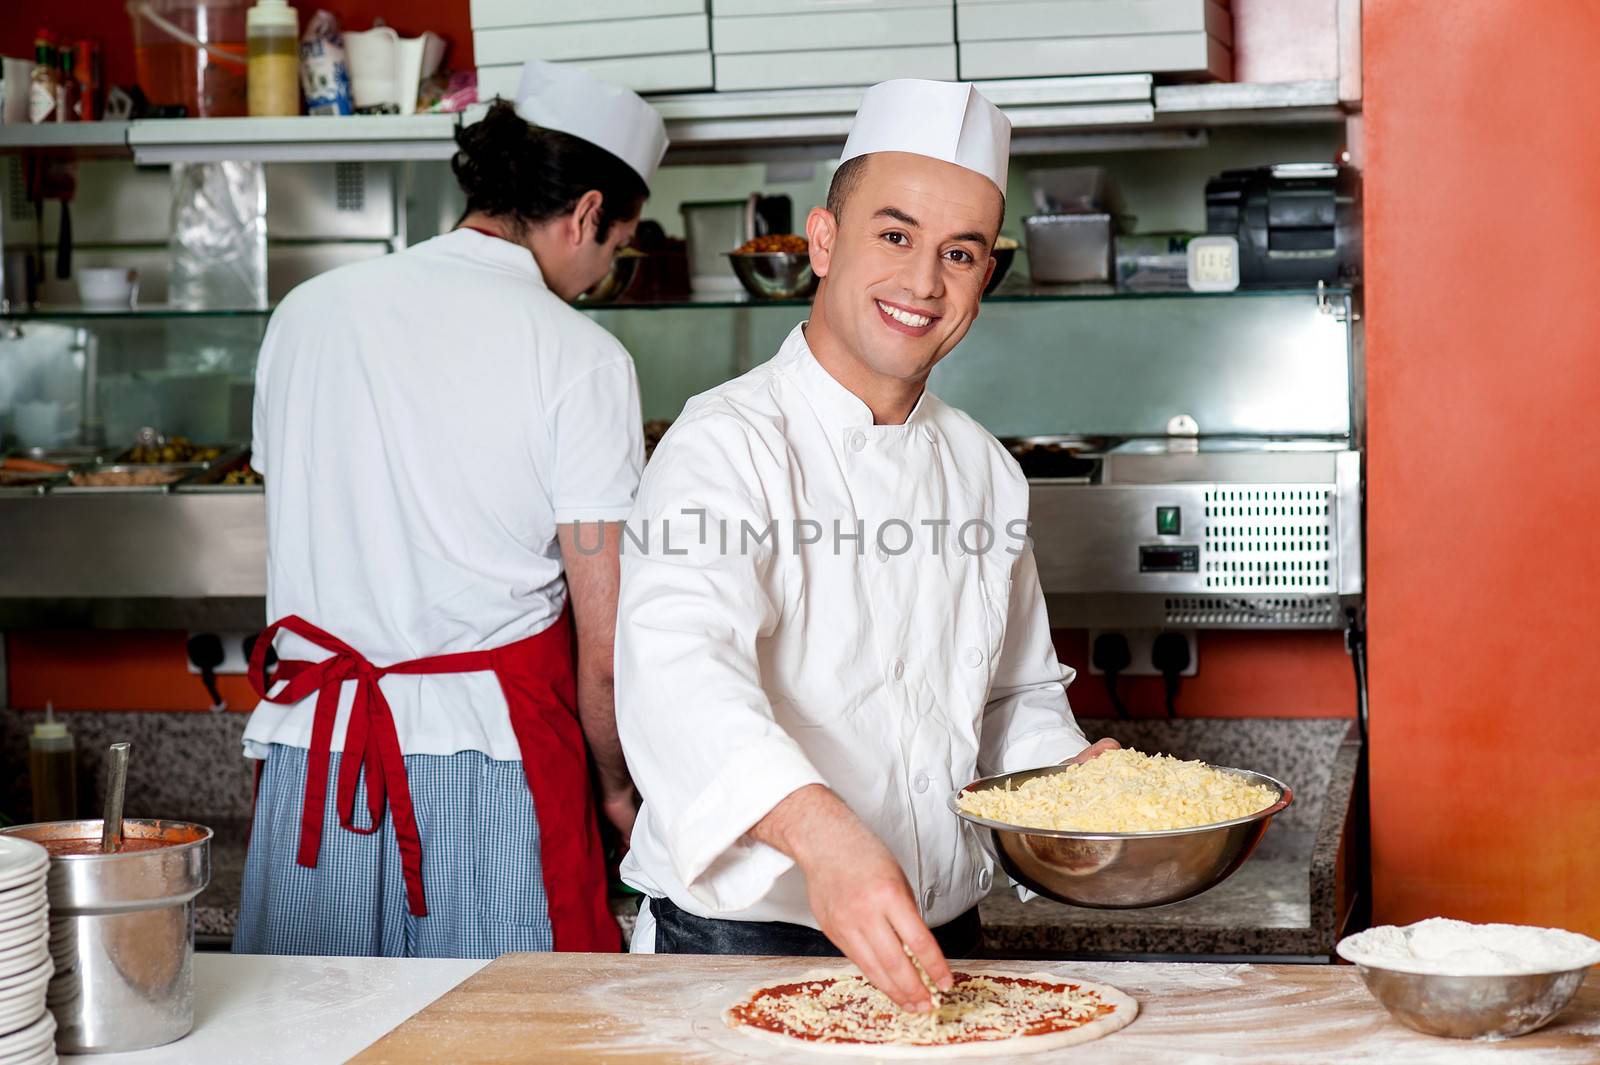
(946, 120)
(565, 98)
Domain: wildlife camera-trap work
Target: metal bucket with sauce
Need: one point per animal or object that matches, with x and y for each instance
(122, 931)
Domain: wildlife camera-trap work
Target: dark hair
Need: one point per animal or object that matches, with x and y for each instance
(848, 176)
(513, 170)
(845, 180)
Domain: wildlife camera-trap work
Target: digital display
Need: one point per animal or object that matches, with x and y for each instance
(1183, 559)
(1214, 263)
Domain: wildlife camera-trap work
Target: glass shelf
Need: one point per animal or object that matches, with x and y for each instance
(711, 300)
(67, 314)
(1020, 294)
(748, 124)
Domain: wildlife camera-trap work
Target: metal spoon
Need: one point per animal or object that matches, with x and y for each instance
(116, 788)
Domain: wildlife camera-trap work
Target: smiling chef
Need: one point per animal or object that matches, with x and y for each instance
(834, 620)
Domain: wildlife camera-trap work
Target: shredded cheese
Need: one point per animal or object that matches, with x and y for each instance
(1123, 791)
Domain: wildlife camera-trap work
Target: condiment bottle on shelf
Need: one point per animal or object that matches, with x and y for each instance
(53, 767)
(86, 69)
(67, 89)
(272, 30)
(45, 79)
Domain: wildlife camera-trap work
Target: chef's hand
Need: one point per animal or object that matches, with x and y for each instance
(858, 894)
(1094, 750)
(621, 807)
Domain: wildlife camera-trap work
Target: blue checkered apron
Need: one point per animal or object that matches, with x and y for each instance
(481, 868)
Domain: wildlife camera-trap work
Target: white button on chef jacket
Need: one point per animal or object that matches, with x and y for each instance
(748, 672)
(424, 421)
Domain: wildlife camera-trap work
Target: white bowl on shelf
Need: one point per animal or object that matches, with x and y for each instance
(105, 287)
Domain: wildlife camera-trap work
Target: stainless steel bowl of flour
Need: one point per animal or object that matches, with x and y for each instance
(1471, 981)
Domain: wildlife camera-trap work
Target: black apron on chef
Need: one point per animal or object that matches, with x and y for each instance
(680, 932)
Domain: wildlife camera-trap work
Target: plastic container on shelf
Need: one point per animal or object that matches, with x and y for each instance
(273, 31)
(193, 53)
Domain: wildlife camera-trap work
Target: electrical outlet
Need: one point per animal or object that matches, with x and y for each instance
(233, 660)
(1140, 642)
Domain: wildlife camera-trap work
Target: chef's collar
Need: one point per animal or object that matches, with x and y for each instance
(480, 245)
(838, 406)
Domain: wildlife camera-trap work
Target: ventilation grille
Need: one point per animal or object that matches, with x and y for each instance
(349, 186)
(1269, 539)
(1321, 611)
(18, 207)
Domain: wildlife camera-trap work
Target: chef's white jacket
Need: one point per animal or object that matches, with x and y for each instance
(425, 421)
(750, 664)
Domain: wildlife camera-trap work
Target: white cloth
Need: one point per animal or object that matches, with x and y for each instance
(893, 677)
(570, 99)
(947, 120)
(424, 422)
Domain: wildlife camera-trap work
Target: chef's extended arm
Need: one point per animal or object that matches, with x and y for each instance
(1027, 721)
(589, 557)
(696, 726)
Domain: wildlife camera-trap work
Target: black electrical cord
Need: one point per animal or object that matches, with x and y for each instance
(1116, 699)
(1355, 642)
(205, 651)
(1111, 656)
(1170, 655)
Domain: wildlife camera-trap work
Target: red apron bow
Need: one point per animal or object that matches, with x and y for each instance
(535, 675)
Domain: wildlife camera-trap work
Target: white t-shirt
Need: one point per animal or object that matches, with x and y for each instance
(424, 422)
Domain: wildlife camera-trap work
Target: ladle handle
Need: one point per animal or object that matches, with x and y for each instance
(116, 788)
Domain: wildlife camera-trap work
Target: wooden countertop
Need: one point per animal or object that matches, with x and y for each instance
(580, 1008)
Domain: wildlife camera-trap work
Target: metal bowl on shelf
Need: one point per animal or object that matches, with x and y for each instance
(615, 283)
(775, 275)
(1003, 257)
(1124, 870)
(1469, 1007)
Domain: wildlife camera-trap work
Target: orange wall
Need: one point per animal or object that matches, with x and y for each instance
(1240, 674)
(1483, 351)
(1283, 674)
(110, 670)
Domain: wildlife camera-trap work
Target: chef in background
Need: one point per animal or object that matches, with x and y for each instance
(432, 426)
(817, 649)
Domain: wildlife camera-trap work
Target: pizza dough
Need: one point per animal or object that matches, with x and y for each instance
(996, 1009)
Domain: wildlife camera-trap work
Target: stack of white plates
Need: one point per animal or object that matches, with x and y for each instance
(27, 1030)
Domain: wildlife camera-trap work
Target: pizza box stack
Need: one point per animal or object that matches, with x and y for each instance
(27, 1030)
(811, 44)
(644, 45)
(1177, 39)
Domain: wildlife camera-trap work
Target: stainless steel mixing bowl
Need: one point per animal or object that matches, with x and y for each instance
(775, 275)
(1471, 1007)
(1124, 870)
(615, 283)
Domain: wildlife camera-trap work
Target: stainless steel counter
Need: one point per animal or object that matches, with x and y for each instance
(1209, 539)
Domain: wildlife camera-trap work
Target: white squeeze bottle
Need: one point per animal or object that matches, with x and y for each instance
(272, 32)
(53, 767)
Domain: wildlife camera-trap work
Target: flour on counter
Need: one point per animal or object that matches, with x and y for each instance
(1458, 948)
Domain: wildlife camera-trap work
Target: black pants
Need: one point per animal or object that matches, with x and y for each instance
(678, 932)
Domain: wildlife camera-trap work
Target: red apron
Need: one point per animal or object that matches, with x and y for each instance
(536, 676)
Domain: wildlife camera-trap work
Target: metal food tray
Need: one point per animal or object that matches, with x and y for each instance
(229, 451)
(1065, 459)
(31, 484)
(209, 481)
(182, 471)
(66, 455)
